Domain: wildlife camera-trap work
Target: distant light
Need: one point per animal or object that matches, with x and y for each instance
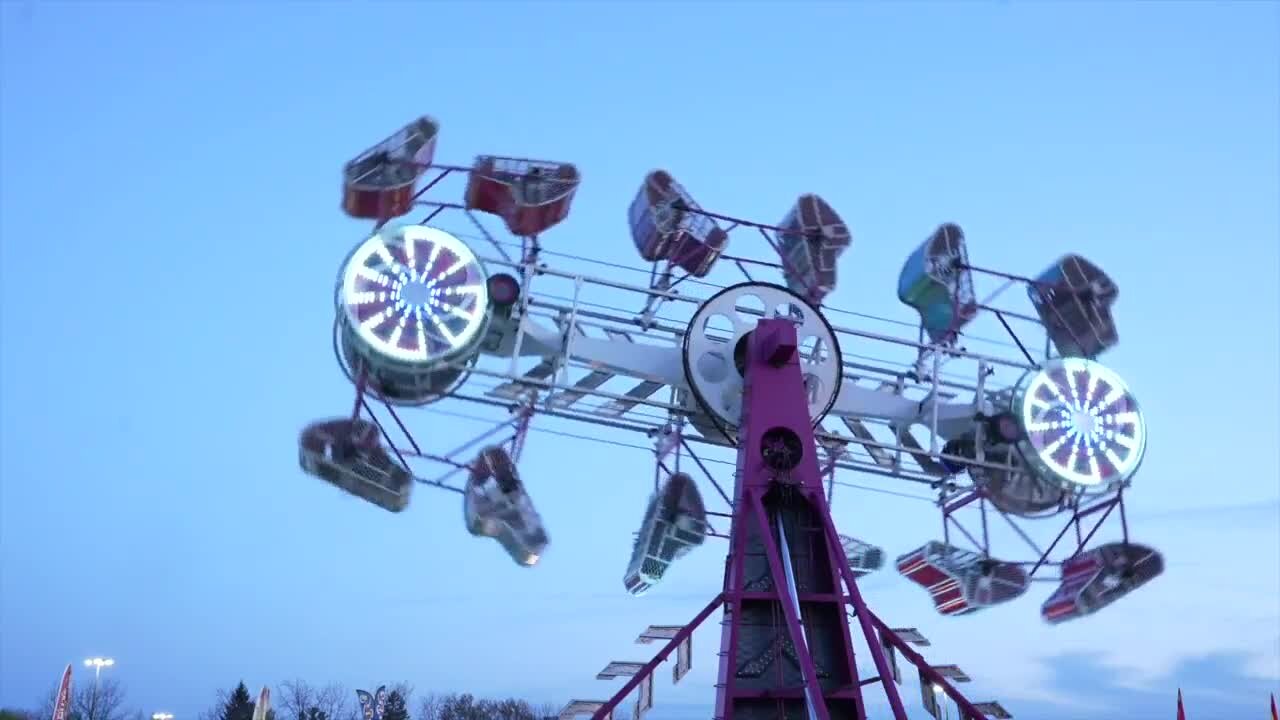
(162, 716)
(938, 689)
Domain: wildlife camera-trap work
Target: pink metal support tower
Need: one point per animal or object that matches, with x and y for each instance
(786, 646)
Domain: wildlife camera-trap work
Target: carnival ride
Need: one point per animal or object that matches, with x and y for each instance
(757, 367)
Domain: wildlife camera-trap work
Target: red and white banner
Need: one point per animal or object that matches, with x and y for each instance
(62, 704)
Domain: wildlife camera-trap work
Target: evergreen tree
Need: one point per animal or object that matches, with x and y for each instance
(396, 709)
(239, 705)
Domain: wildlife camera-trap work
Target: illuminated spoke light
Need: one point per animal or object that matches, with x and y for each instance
(1082, 426)
(415, 294)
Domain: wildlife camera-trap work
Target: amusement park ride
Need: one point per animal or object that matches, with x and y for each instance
(757, 367)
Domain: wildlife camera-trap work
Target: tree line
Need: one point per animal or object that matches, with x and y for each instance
(293, 700)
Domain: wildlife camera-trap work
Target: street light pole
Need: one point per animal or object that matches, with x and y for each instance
(97, 663)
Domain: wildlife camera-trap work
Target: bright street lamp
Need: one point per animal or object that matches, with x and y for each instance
(97, 664)
(161, 716)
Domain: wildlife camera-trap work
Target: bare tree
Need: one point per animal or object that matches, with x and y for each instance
(333, 701)
(294, 698)
(429, 707)
(509, 709)
(103, 700)
(44, 710)
(462, 707)
(214, 712)
(299, 700)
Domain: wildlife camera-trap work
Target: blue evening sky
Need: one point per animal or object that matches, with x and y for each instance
(171, 232)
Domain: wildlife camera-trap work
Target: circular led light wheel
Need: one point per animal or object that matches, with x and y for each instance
(1082, 427)
(414, 295)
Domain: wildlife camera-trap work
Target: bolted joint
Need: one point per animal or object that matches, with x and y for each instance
(776, 342)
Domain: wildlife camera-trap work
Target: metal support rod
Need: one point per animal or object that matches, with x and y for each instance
(836, 556)
(1018, 341)
(963, 530)
(527, 271)
(570, 332)
(933, 412)
(986, 533)
(861, 613)
(969, 711)
(362, 378)
(479, 438)
(1124, 521)
(522, 429)
(968, 498)
(385, 435)
(1044, 557)
(946, 520)
(980, 406)
(400, 424)
(1021, 533)
(701, 466)
(657, 660)
(1090, 534)
(790, 608)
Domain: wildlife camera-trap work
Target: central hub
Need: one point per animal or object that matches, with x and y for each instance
(1084, 421)
(416, 292)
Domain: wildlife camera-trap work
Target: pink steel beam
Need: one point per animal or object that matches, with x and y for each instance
(756, 649)
(765, 636)
(634, 682)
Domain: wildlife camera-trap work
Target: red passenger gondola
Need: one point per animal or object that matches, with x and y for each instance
(1096, 578)
(811, 239)
(379, 184)
(1073, 299)
(666, 225)
(530, 196)
(347, 453)
(961, 581)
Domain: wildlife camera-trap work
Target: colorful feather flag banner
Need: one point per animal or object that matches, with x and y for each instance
(1274, 714)
(62, 703)
(1182, 714)
(379, 702)
(366, 704)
